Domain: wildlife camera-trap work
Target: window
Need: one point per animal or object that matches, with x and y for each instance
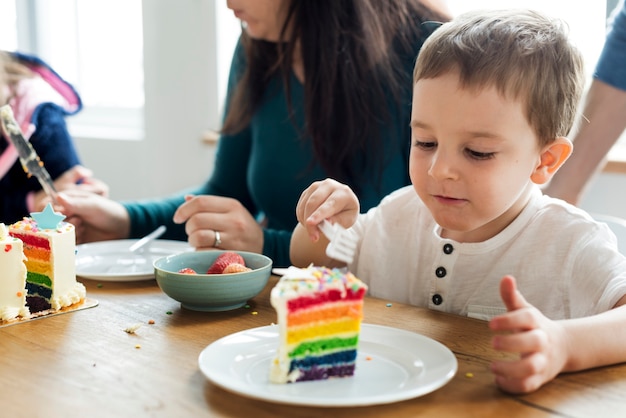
(8, 25)
(95, 48)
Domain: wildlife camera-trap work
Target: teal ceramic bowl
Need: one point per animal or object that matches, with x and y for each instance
(211, 292)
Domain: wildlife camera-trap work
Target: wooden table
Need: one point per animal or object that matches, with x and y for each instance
(83, 363)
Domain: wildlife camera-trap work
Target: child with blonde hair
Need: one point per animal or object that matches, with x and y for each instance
(40, 100)
(495, 93)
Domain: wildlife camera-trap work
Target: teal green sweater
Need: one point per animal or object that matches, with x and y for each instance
(268, 165)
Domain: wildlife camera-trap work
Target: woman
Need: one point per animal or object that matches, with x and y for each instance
(40, 101)
(318, 88)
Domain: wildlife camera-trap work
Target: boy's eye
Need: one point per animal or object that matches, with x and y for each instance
(477, 155)
(425, 145)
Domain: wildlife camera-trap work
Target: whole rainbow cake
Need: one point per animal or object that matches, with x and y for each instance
(319, 319)
(12, 277)
(50, 250)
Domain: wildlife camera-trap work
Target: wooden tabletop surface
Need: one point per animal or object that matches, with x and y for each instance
(83, 363)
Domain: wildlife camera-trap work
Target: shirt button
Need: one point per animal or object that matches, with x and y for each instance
(437, 299)
(448, 248)
(441, 272)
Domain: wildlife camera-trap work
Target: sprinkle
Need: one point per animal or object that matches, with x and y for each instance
(247, 306)
(469, 375)
(168, 312)
(99, 285)
(20, 294)
(151, 322)
(137, 346)
(388, 305)
(368, 358)
(255, 313)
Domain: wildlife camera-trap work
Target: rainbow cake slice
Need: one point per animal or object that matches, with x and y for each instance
(50, 250)
(319, 320)
(12, 277)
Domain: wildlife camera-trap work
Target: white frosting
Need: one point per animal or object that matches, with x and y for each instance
(75, 295)
(13, 283)
(8, 313)
(63, 261)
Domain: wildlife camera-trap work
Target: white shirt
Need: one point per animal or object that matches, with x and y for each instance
(565, 264)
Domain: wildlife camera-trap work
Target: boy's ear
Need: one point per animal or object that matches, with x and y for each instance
(551, 159)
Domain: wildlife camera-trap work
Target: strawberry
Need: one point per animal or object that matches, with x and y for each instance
(224, 260)
(187, 270)
(235, 268)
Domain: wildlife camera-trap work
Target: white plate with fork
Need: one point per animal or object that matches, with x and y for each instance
(113, 261)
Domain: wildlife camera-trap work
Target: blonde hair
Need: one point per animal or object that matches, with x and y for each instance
(527, 56)
(11, 72)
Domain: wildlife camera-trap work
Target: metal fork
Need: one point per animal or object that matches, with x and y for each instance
(147, 239)
(342, 243)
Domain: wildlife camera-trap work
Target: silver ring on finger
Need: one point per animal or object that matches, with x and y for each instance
(218, 239)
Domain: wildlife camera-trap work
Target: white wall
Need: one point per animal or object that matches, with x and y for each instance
(606, 195)
(181, 104)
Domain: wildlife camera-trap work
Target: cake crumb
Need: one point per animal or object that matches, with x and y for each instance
(137, 346)
(151, 322)
(131, 329)
(368, 358)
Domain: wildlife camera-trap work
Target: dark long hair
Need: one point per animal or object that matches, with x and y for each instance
(352, 53)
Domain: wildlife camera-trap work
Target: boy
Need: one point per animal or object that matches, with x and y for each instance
(494, 95)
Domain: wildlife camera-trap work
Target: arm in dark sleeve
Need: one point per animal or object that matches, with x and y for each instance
(276, 246)
(52, 142)
(611, 66)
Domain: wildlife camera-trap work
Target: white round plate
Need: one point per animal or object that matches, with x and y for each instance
(392, 365)
(112, 261)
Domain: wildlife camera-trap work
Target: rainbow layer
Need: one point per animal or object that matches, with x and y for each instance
(319, 316)
(50, 264)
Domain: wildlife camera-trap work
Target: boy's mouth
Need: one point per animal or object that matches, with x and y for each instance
(449, 200)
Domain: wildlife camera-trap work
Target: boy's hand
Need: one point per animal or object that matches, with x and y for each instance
(540, 342)
(327, 199)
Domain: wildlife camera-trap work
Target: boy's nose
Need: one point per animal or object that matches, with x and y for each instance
(442, 166)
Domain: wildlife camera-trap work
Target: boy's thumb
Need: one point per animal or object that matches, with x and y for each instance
(511, 297)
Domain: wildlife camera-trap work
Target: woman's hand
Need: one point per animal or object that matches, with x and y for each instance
(208, 216)
(95, 217)
(327, 199)
(540, 342)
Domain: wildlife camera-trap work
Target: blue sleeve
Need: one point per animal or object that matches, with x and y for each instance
(611, 67)
(53, 143)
